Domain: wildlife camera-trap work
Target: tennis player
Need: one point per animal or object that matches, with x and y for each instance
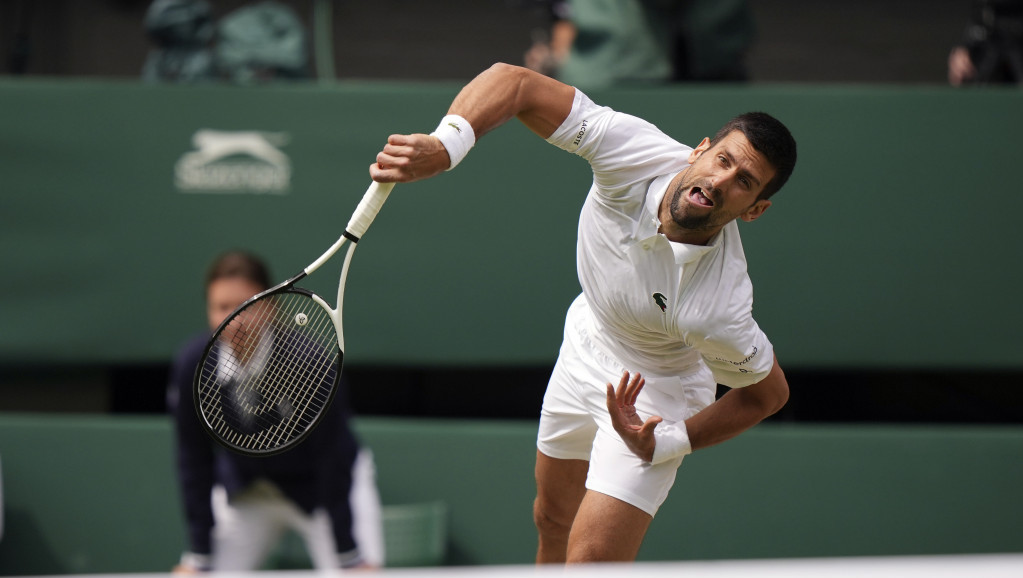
(666, 307)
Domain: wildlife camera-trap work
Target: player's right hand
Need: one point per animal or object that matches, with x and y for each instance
(408, 158)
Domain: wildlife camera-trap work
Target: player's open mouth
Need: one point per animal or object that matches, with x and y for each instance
(697, 197)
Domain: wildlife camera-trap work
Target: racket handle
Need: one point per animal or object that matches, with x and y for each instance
(368, 208)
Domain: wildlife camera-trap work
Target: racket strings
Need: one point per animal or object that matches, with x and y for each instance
(288, 390)
(303, 367)
(230, 365)
(294, 380)
(311, 400)
(270, 372)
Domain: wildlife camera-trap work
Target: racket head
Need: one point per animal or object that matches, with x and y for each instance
(269, 372)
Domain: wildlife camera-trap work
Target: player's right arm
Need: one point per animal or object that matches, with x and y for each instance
(504, 91)
(497, 95)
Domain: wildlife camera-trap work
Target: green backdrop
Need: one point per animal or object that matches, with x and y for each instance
(93, 495)
(894, 244)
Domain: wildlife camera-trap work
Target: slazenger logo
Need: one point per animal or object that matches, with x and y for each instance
(234, 161)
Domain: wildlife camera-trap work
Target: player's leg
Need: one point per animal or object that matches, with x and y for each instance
(574, 396)
(560, 487)
(606, 529)
(564, 441)
(623, 495)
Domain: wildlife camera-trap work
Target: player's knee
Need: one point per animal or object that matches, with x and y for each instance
(548, 519)
(590, 553)
(583, 552)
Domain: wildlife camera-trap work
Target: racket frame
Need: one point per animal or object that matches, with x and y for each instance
(363, 216)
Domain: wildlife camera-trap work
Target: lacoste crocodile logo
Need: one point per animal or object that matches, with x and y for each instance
(455, 126)
(661, 301)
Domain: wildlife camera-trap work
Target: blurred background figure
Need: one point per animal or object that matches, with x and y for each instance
(181, 31)
(262, 42)
(257, 42)
(551, 46)
(601, 43)
(238, 508)
(992, 47)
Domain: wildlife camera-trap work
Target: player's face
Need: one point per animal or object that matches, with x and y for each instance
(721, 185)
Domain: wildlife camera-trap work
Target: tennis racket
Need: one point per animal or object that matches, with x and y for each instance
(271, 369)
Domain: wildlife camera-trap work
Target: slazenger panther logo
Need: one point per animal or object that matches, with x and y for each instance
(234, 161)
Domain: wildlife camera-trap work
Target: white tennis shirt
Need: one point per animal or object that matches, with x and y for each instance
(662, 308)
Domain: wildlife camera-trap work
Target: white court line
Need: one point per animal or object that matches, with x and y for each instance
(965, 566)
(952, 566)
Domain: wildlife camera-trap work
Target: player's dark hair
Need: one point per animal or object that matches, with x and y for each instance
(772, 139)
(238, 264)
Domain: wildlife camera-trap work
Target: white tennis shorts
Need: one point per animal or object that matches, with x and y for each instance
(574, 422)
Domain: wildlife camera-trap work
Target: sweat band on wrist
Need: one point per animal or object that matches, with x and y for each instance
(457, 136)
(670, 441)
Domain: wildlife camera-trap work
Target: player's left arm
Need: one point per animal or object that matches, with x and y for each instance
(638, 434)
(738, 410)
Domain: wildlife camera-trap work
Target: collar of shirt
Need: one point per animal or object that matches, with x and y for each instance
(647, 233)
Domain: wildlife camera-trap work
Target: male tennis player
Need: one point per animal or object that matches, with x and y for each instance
(665, 294)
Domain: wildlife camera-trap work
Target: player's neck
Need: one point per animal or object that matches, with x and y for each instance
(678, 234)
(689, 237)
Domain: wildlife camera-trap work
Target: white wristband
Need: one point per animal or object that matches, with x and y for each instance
(457, 136)
(671, 441)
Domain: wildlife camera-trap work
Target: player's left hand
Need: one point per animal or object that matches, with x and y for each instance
(637, 434)
(410, 157)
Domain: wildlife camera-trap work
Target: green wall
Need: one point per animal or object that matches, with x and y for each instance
(97, 494)
(894, 245)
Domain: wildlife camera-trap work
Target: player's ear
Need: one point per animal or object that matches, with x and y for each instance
(699, 150)
(753, 213)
